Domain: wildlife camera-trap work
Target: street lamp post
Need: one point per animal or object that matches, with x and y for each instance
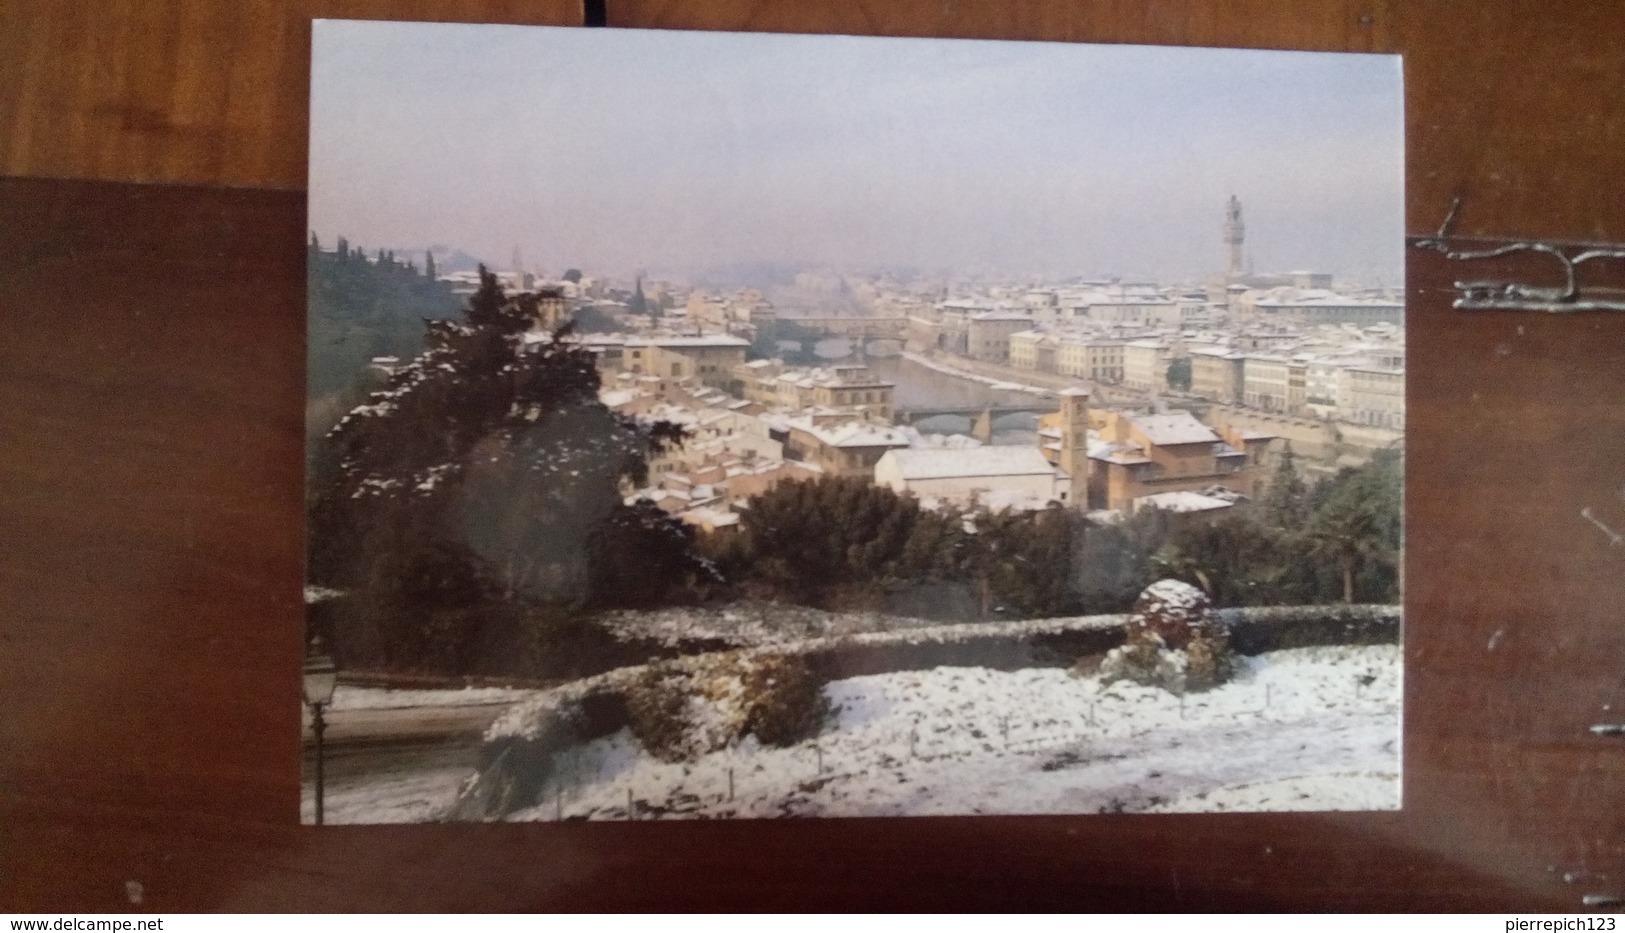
(320, 679)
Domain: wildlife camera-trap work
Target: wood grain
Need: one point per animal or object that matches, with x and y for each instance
(1513, 105)
(151, 389)
(182, 91)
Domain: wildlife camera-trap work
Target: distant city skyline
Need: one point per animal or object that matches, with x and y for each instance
(617, 150)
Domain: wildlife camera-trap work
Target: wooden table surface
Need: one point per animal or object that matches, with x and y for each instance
(151, 401)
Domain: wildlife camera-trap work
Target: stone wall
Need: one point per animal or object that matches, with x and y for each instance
(516, 758)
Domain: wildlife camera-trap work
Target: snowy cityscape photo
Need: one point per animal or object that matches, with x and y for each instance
(709, 425)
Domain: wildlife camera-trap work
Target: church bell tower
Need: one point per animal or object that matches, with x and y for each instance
(1234, 232)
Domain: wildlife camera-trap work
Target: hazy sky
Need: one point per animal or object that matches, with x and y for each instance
(613, 149)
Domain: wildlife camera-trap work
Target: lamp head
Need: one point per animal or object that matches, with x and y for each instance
(320, 674)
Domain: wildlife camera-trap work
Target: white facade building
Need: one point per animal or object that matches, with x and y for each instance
(995, 476)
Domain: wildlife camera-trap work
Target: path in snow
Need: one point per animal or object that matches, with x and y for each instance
(402, 786)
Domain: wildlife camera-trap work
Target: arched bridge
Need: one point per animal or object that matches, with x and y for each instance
(981, 417)
(909, 415)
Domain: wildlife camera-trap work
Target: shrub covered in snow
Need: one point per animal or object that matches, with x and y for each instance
(1173, 640)
(1174, 611)
(688, 707)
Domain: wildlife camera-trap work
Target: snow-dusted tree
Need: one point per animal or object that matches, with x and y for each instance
(487, 473)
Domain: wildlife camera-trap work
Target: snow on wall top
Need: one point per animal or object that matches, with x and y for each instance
(528, 718)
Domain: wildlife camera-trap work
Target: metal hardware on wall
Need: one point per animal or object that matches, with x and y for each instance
(1512, 296)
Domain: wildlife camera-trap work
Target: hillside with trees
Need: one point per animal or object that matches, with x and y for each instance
(359, 308)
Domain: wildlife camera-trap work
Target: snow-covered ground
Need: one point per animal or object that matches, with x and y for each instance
(1309, 728)
(416, 793)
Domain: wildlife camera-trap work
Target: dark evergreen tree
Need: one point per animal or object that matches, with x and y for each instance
(428, 266)
(1023, 562)
(638, 304)
(1114, 560)
(489, 473)
(1232, 557)
(572, 276)
(1286, 500)
(838, 540)
(590, 320)
(1357, 529)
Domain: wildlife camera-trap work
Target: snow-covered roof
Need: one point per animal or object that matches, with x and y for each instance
(851, 433)
(1181, 502)
(1174, 427)
(921, 463)
(918, 438)
(1115, 452)
(615, 398)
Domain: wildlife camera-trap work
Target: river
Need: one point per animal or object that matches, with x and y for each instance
(922, 387)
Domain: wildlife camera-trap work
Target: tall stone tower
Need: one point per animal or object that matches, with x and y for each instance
(1234, 231)
(1074, 460)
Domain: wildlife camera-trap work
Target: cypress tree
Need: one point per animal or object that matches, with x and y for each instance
(638, 304)
(1286, 502)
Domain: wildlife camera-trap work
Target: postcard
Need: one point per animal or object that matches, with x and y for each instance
(710, 425)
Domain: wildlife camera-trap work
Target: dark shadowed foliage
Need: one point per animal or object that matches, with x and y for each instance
(477, 498)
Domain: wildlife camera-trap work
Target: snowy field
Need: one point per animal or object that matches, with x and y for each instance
(1305, 729)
